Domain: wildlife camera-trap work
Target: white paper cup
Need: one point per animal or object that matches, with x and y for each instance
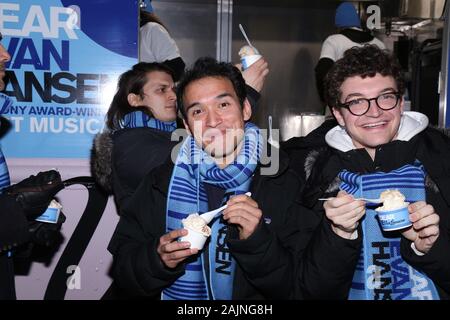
(395, 219)
(197, 239)
(247, 61)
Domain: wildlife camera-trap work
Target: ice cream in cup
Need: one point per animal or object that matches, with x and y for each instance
(393, 214)
(249, 55)
(198, 231)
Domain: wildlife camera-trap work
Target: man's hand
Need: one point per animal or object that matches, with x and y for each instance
(244, 212)
(173, 252)
(255, 75)
(344, 212)
(425, 229)
(35, 193)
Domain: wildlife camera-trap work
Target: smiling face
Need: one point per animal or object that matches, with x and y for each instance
(158, 96)
(4, 58)
(215, 117)
(377, 126)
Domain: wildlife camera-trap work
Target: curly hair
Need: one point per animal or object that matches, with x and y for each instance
(210, 67)
(365, 61)
(131, 81)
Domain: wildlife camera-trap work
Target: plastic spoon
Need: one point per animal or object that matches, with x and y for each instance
(365, 199)
(246, 38)
(208, 216)
(270, 140)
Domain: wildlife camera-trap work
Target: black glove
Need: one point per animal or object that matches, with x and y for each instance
(46, 234)
(35, 193)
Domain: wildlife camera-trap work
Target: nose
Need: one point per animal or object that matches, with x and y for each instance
(4, 55)
(213, 119)
(172, 95)
(374, 110)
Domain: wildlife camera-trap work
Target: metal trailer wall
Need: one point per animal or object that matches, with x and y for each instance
(289, 35)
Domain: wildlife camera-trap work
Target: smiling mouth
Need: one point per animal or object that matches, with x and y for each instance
(213, 134)
(375, 125)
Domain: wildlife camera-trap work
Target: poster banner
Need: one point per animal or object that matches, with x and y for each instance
(66, 57)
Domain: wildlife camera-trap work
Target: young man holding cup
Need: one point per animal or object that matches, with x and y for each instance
(260, 247)
(378, 146)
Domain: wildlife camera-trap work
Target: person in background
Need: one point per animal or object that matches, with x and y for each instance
(255, 77)
(261, 247)
(155, 42)
(20, 205)
(378, 146)
(140, 119)
(4, 58)
(350, 34)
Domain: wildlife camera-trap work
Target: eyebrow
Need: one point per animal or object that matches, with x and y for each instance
(357, 94)
(220, 96)
(161, 84)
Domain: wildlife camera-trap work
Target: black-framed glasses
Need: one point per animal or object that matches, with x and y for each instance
(360, 106)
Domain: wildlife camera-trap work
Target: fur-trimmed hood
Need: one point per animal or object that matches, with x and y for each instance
(101, 160)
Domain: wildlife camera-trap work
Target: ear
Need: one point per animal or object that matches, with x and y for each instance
(338, 115)
(134, 100)
(186, 126)
(247, 110)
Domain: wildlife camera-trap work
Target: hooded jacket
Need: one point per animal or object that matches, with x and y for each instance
(326, 152)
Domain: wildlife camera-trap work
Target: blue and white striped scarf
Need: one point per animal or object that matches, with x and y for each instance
(194, 168)
(381, 272)
(4, 174)
(5, 103)
(137, 119)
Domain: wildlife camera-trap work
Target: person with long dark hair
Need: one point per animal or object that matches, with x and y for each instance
(140, 120)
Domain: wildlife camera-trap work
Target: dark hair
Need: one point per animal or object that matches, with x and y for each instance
(131, 81)
(365, 61)
(146, 17)
(210, 67)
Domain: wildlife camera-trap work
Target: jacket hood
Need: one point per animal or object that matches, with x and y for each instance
(411, 124)
(101, 160)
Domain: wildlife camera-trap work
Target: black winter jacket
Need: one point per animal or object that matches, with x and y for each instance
(297, 255)
(13, 232)
(320, 165)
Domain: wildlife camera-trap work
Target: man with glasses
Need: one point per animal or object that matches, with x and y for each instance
(378, 146)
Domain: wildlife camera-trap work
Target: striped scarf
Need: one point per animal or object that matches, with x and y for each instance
(5, 103)
(4, 174)
(381, 272)
(138, 119)
(193, 168)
